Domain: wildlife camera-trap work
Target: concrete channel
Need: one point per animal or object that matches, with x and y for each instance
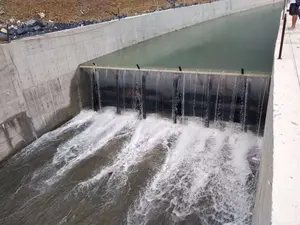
(47, 80)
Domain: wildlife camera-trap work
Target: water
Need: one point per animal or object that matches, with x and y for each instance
(103, 168)
(243, 40)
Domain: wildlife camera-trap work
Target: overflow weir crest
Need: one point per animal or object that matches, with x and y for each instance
(213, 96)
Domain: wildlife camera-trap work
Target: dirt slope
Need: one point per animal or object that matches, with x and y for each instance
(76, 10)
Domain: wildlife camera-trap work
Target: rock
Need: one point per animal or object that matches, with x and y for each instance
(13, 32)
(37, 28)
(44, 24)
(3, 30)
(88, 22)
(11, 20)
(105, 20)
(2, 12)
(50, 24)
(39, 23)
(42, 15)
(21, 31)
(121, 16)
(12, 27)
(30, 23)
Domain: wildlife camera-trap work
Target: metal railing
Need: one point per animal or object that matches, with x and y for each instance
(285, 2)
(282, 36)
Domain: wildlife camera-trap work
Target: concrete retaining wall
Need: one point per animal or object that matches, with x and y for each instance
(278, 191)
(37, 74)
(263, 202)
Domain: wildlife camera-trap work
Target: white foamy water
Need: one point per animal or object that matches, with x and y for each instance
(80, 120)
(203, 179)
(164, 173)
(147, 135)
(103, 129)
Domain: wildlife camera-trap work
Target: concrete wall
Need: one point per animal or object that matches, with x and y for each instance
(37, 74)
(263, 202)
(278, 193)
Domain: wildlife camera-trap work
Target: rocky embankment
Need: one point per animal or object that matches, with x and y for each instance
(19, 29)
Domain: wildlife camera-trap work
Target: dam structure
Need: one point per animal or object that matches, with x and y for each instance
(162, 118)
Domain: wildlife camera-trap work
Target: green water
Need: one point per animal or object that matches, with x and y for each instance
(244, 40)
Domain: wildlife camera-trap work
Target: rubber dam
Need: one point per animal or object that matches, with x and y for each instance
(154, 119)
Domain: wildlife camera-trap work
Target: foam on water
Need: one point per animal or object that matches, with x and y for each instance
(148, 134)
(80, 120)
(103, 129)
(203, 175)
(203, 179)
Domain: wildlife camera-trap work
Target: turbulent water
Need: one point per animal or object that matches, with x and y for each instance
(103, 168)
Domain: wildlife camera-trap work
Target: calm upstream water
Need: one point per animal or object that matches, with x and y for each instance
(243, 40)
(103, 168)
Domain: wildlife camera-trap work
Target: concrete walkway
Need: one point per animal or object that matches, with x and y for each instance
(286, 129)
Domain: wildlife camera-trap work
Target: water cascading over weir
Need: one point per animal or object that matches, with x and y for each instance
(213, 96)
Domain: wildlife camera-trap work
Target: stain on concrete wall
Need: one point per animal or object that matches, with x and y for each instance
(15, 133)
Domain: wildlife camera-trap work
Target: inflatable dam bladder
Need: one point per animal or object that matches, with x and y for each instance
(239, 98)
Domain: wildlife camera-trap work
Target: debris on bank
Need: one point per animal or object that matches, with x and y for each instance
(18, 29)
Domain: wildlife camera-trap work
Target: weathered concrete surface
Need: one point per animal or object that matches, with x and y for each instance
(263, 201)
(38, 74)
(15, 133)
(278, 201)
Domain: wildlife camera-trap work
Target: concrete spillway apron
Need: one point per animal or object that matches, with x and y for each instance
(211, 95)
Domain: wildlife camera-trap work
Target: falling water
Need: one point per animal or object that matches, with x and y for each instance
(183, 97)
(124, 85)
(262, 105)
(133, 83)
(117, 169)
(194, 101)
(245, 104)
(98, 90)
(217, 99)
(92, 85)
(157, 91)
(220, 101)
(233, 101)
(190, 94)
(207, 100)
(259, 103)
(241, 95)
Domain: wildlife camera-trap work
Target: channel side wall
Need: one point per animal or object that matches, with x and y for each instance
(38, 74)
(277, 200)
